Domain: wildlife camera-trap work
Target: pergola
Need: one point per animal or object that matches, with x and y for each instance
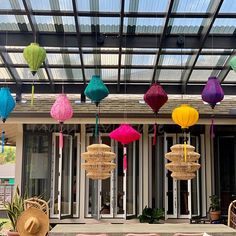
(130, 43)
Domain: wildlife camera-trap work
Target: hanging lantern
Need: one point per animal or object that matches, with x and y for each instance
(96, 90)
(185, 116)
(212, 94)
(232, 63)
(61, 111)
(182, 169)
(34, 56)
(155, 97)
(98, 161)
(7, 103)
(125, 134)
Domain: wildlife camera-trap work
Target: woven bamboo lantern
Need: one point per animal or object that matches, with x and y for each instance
(182, 167)
(98, 161)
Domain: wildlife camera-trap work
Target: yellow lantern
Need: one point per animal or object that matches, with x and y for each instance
(185, 116)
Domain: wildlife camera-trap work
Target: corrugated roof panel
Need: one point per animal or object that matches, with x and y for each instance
(144, 6)
(170, 75)
(45, 23)
(144, 25)
(231, 77)
(16, 58)
(25, 74)
(174, 60)
(109, 74)
(66, 5)
(1, 61)
(40, 5)
(68, 23)
(4, 74)
(89, 73)
(88, 59)
(139, 74)
(138, 59)
(228, 6)
(109, 59)
(63, 73)
(223, 26)
(193, 6)
(211, 60)
(186, 26)
(6, 4)
(200, 75)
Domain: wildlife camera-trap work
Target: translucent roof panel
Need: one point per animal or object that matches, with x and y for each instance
(98, 5)
(170, 75)
(136, 74)
(109, 74)
(45, 23)
(55, 5)
(223, 26)
(186, 26)
(7, 4)
(4, 74)
(89, 73)
(200, 75)
(142, 6)
(66, 74)
(228, 7)
(231, 77)
(16, 58)
(211, 60)
(106, 24)
(68, 23)
(143, 25)
(25, 74)
(136, 59)
(15, 23)
(63, 59)
(193, 6)
(174, 60)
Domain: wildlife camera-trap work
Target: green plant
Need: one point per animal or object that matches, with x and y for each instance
(215, 203)
(14, 208)
(151, 215)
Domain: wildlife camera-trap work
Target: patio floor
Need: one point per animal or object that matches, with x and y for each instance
(122, 229)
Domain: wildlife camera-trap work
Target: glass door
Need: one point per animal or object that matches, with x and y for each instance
(62, 196)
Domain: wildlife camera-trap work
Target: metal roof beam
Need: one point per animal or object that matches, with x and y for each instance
(78, 39)
(131, 88)
(214, 10)
(120, 42)
(162, 38)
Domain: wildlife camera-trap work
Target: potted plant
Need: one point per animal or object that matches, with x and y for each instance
(13, 209)
(151, 215)
(214, 209)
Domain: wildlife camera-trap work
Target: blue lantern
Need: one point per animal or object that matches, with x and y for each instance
(96, 90)
(7, 103)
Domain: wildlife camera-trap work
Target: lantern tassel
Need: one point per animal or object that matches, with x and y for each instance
(61, 143)
(125, 158)
(3, 140)
(32, 95)
(212, 128)
(96, 127)
(185, 151)
(154, 134)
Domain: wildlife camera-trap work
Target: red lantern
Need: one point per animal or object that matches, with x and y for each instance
(155, 97)
(125, 134)
(61, 111)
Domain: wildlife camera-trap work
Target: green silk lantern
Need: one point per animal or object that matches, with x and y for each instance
(34, 56)
(232, 63)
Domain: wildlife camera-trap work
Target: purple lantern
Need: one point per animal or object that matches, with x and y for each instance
(212, 92)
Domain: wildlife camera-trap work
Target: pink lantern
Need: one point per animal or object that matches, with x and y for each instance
(61, 111)
(125, 134)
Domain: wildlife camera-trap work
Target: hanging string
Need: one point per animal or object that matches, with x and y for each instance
(185, 146)
(3, 140)
(125, 165)
(32, 94)
(155, 131)
(61, 141)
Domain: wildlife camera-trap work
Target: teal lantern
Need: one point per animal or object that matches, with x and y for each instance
(96, 90)
(7, 103)
(34, 56)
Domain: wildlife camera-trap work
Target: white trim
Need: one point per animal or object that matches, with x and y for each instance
(78, 184)
(140, 181)
(150, 169)
(203, 175)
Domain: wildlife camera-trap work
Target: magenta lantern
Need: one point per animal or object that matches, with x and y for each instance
(61, 111)
(125, 134)
(155, 97)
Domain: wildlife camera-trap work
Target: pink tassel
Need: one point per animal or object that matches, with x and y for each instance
(154, 134)
(125, 160)
(212, 128)
(60, 142)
